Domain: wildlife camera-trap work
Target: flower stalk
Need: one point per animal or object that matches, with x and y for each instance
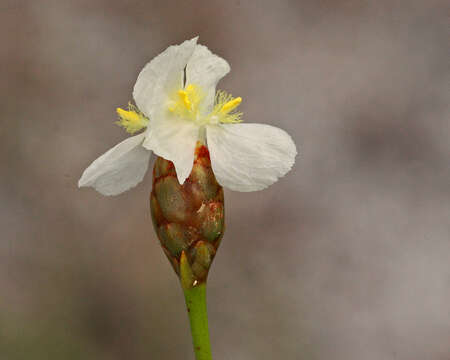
(198, 318)
(195, 297)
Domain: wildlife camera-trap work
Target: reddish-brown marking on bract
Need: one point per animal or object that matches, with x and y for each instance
(199, 203)
(201, 151)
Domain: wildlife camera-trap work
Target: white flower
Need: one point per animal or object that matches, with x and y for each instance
(177, 92)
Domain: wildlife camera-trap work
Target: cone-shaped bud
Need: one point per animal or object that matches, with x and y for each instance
(188, 218)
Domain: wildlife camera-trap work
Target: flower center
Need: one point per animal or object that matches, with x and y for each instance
(186, 103)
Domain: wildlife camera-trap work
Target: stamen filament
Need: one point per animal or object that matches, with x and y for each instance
(230, 105)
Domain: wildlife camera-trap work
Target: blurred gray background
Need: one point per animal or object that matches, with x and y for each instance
(346, 258)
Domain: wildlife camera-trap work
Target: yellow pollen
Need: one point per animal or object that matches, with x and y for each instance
(131, 116)
(132, 120)
(185, 98)
(230, 105)
(185, 102)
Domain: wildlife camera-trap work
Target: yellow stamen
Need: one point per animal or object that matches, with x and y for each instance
(185, 102)
(230, 105)
(224, 107)
(185, 98)
(131, 120)
(131, 116)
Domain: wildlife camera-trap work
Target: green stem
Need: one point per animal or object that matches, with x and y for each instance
(198, 317)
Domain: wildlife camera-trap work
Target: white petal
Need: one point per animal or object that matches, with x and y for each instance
(119, 169)
(249, 157)
(162, 75)
(206, 69)
(174, 139)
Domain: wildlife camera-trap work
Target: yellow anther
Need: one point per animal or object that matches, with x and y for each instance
(224, 107)
(230, 105)
(132, 116)
(131, 120)
(185, 98)
(185, 102)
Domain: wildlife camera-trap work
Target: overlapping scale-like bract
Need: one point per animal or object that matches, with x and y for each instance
(188, 218)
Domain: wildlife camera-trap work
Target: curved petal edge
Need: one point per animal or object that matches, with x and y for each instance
(206, 69)
(119, 169)
(161, 75)
(249, 157)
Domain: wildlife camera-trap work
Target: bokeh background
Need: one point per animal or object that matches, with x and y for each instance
(346, 258)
